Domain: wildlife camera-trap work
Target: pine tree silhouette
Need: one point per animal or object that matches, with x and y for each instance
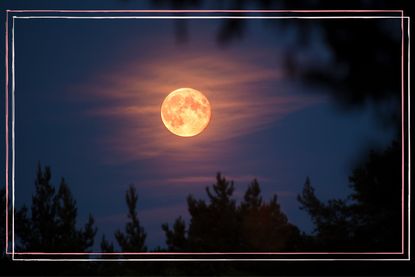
(176, 239)
(51, 225)
(213, 225)
(221, 225)
(359, 222)
(332, 220)
(106, 246)
(133, 240)
(264, 227)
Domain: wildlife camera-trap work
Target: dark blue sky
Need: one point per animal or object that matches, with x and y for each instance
(88, 94)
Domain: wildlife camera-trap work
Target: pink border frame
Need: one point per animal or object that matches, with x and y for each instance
(7, 131)
(204, 11)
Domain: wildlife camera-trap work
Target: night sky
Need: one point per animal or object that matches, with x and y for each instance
(88, 97)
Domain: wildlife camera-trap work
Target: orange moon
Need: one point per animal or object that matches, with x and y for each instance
(185, 112)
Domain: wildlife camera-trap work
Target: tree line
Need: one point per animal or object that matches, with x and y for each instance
(369, 219)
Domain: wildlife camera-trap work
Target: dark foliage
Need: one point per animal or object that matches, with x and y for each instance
(51, 224)
(365, 55)
(213, 225)
(133, 240)
(176, 239)
(331, 220)
(370, 219)
(356, 223)
(106, 246)
(264, 227)
(220, 225)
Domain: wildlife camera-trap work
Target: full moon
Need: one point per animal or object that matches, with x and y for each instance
(185, 112)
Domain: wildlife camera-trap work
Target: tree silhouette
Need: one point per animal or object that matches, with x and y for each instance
(221, 225)
(377, 193)
(106, 246)
(332, 220)
(133, 240)
(264, 227)
(214, 226)
(370, 219)
(51, 225)
(176, 239)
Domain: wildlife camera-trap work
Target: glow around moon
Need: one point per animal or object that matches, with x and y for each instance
(185, 112)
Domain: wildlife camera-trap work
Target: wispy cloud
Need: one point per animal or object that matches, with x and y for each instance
(245, 97)
(207, 180)
(169, 184)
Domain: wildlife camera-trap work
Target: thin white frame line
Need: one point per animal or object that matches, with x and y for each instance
(246, 17)
(203, 260)
(6, 108)
(207, 17)
(402, 131)
(212, 11)
(13, 138)
(45, 254)
(409, 137)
